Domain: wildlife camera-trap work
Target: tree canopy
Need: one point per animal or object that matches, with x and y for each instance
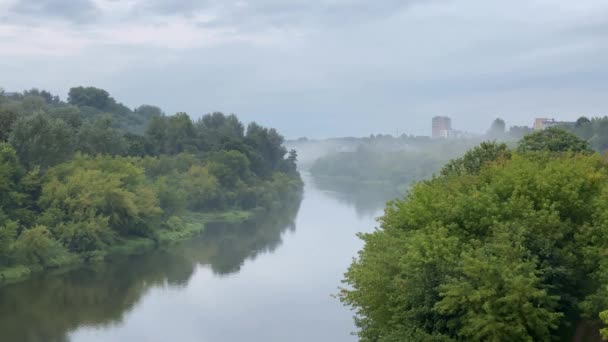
(502, 246)
(553, 139)
(79, 178)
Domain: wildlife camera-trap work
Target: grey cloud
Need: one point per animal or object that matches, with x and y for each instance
(76, 11)
(365, 66)
(261, 14)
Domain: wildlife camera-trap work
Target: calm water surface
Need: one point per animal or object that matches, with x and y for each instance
(263, 281)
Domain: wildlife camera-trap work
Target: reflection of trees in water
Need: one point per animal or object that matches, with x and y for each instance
(367, 199)
(235, 243)
(48, 306)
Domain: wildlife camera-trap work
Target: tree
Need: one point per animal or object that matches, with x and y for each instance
(36, 246)
(90, 97)
(474, 160)
(553, 139)
(216, 129)
(148, 111)
(41, 141)
(506, 250)
(10, 176)
(7, 120)
(180, 134)
(100, 137)
(68, 113)
(604, 317)
(156, 135)
(268, 149)
(291, 163)
(498, 128)
(106, 187)
(202, 188)
(582, 121)
(45, 95)
(498, 294)
(518, 132)
(8, 235)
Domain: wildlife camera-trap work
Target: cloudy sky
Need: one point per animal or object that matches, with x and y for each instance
(320, 68)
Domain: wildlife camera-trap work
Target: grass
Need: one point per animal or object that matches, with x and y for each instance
(192, 224)
(230, 216)
(130, 246)
(14, 274)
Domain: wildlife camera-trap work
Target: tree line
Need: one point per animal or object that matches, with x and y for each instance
(390, 163)
(504, 244)
(78, 177)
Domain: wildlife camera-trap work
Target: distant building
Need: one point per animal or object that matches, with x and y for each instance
(442, 126)
(542, 123)
(450, 133)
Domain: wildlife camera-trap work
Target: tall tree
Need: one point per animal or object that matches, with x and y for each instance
(42, 141)
(497, 129)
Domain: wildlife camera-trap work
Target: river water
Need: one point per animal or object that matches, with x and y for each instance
(269, 280)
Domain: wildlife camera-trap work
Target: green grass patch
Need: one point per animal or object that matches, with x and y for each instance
(229, 216)
(131, 246)
(14, 274)
(192, 224)
(187, 230)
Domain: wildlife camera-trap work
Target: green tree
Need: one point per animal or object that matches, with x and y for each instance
(100, 137)
(8, 235)
(90, 97)
(553, 139)
(112, 188)
(42, 141)
(518, 132)
(36, 246)
(268, 147)
(16, 187)
(604, 317)
(497, 129)
(475, 159)
(499, 295)
(7, 120)
(216, 129)
(507, 250)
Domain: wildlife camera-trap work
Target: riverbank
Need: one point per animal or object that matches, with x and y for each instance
(184, 227)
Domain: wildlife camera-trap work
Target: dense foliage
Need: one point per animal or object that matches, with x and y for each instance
(502, 246)
(51, 307)
(77, 178)
(553, 139)
(594, 131)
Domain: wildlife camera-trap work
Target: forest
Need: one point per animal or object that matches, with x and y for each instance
(396, 162)
(389, 163)
(503, 244)
(88, 177)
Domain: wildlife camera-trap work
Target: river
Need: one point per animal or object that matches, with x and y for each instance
(271, 280)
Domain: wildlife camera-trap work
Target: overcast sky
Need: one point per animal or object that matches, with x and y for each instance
(320, 68)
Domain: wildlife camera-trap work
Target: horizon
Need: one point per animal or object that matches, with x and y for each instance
(324, 68)
(395, 133)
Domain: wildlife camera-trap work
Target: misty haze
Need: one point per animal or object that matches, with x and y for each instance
(330, 170)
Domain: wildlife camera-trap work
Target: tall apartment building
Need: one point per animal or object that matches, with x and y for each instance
(442, 125)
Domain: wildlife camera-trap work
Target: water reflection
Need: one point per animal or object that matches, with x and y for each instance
(49, 306)
(367, 200)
